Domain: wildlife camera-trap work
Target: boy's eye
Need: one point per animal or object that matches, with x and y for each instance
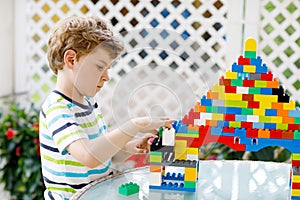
(100, 68)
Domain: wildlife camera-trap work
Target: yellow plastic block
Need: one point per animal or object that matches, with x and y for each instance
(190, 174)
(232, 96)
(296, 178)
(217, 116)
(236, 103)
(192, 151)
(218, 88)
(259, 111)
(180, 156)
(154, 158)
(189, 135)
(295, 192)
(296, 156)
(235, 124)
(265, 98)
(265, 104)
(180, 146)
(289, 106)
(250, 68)
(250, 44)
(276, 119)
(230, 75)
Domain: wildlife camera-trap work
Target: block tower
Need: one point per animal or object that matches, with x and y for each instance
(246, 110)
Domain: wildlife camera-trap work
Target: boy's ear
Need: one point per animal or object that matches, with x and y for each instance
(69, 58)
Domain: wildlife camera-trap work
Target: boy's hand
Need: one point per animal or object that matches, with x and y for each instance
(150, 124)
(139, 145)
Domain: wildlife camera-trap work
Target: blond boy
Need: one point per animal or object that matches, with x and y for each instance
(76, 148)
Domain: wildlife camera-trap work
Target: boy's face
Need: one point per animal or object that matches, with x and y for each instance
(91, 72)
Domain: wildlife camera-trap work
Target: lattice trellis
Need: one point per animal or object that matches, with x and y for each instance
(164, 41)
(280, 41)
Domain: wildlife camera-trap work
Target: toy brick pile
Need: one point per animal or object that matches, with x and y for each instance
(247, 110)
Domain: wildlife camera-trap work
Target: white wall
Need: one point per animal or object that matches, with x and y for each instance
(6, 47)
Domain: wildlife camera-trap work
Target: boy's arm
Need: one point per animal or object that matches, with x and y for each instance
(93, 153)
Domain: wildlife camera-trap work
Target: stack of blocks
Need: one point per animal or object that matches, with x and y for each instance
(247, 110)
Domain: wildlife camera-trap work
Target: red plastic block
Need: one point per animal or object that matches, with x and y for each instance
(248, 83)
(295, 163)
(293, 127)
(252, 133)
(296, 186)
(247, 97)
(276, 134)
(230, 89)
(243, 61)
(246, 125)
(229, 117)
(253, 104)
(267, 77)
(223, 81)
(228, 129)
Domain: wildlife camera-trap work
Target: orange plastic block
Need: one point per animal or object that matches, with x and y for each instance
(263, 133)
(283, 113)
(199, 108)
(277, 105)
(288, 135)
(273, 84)
(155, 168)
(211, 123)
(190, 174)
(287, 120)
(193, 128)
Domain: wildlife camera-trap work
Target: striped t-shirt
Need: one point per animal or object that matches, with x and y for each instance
(62, 121)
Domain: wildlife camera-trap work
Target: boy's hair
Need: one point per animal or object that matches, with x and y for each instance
(81, 34)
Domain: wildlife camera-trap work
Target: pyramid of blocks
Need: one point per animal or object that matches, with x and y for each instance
(247, 110)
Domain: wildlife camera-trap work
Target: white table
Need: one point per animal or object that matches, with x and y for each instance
(217, 180)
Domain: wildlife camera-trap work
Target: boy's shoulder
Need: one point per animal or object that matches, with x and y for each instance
(55, 100)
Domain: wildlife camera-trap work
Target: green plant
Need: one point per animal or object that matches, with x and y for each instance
(19, 153)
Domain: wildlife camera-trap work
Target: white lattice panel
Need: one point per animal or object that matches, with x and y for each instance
(280, 41)
(165, 43)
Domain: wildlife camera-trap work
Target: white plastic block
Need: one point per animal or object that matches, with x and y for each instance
(252, 118)
(155, 179)
(242, 90)
(168, 137)
(192, 157)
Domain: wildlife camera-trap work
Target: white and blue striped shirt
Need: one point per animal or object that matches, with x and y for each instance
(63, 121)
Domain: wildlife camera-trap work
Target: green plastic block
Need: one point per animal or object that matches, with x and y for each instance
(297, 120)
(209, 109)
(260, 84)
(282, 126)
(237, 104)
(247, 111)
(254, 90)
(297, 137)
(236, 82)
(129, 189)
(250, 54)
(189, 184)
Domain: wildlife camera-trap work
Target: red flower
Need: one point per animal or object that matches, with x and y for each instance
(18, 151)
(38, 150)
(36, 141)
(36, 127)
(213, 157)
(10, 133)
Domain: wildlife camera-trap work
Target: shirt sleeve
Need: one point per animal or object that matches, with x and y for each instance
(63, 126)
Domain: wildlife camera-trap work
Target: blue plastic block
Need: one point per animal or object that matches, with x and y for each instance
(174, 176)
(271, 112)
(244, 75)
(295, 197)
(241, 118)
(256, 61)
(182, 129)
(294, 113)
(258, 125)
(176, 125)
(262, 69)
(270, 126)
(216, 130)
(206, 102)
(266, 91)
(222, 109)
(231, 110)
(221, 124)
(239, 132)
(237, 68)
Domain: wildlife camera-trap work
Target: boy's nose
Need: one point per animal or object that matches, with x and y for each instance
(105, 76)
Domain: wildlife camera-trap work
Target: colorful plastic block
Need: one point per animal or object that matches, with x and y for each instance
(129, 189)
